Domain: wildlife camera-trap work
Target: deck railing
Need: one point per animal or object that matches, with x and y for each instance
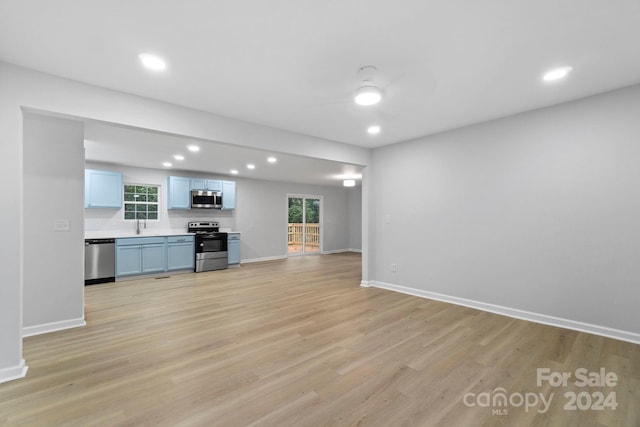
(312, 234)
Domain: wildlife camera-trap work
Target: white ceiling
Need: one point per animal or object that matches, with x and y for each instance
(292, 64)
(134, 147)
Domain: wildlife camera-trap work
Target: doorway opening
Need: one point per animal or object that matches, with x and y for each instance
(304, 225)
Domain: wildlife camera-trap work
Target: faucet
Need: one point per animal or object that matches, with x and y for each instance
(138, 224)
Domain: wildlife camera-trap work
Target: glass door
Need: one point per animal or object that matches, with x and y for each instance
(303, 234)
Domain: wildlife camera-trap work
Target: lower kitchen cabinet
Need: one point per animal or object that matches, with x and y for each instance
(180, 253)
(146, 255)
(233, 248)
(128, 260)
(153, 258)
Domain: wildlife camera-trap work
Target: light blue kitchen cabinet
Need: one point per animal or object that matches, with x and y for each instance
(128, 260)
(153, 258)
(233, 248)
(206, 184)
(180, 253)
(138, 255)
(102, 189)
(198, 184)
(178, 193)
(228, 195)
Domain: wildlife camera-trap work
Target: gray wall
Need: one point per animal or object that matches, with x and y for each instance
(11, 268)
(261, 216)
(537, 212)
(54, 189)
(355, 218)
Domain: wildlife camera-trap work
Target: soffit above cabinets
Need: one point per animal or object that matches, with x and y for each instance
(145, 149)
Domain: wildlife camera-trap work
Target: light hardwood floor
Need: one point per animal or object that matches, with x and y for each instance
(298, 342)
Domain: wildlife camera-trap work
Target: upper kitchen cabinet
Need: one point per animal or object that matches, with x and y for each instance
(178, 193)
(228, 195)
(206, 184)
(102, 189)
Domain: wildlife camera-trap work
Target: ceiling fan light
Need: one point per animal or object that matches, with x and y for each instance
(557, 74)
(368, 95)
(152, 62)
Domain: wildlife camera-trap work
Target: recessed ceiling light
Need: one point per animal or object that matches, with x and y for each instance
(152, 62)
(375, 129)
(178, 156)
(234, 171)
(193, 148)
(251, 166)
(271, 159)
(167, 164)
(349, 182)
(556, 74)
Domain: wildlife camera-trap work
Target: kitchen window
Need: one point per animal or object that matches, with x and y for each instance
(140, 202)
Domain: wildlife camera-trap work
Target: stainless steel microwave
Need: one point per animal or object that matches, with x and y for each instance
(204, 199)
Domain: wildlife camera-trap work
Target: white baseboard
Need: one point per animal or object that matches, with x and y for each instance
(515, 313)
(14, 372)
(341, 251)
(335, 251)
(365, 284)
(45, 328)
(277, 257)
(268, 258)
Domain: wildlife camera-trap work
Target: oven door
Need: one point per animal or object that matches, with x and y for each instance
(213, 242)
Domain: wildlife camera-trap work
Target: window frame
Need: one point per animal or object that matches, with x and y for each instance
(136, 194)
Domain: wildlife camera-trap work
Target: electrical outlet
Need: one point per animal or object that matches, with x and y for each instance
(393, 268)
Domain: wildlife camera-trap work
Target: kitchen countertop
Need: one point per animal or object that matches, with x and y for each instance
(117, 234)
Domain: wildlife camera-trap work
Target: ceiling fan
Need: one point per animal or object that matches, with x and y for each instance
(365, 96)
(374, 96)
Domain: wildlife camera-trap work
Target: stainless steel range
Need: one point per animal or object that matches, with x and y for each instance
(211, 246)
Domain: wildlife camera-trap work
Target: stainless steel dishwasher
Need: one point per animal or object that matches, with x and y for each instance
(99, 261)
